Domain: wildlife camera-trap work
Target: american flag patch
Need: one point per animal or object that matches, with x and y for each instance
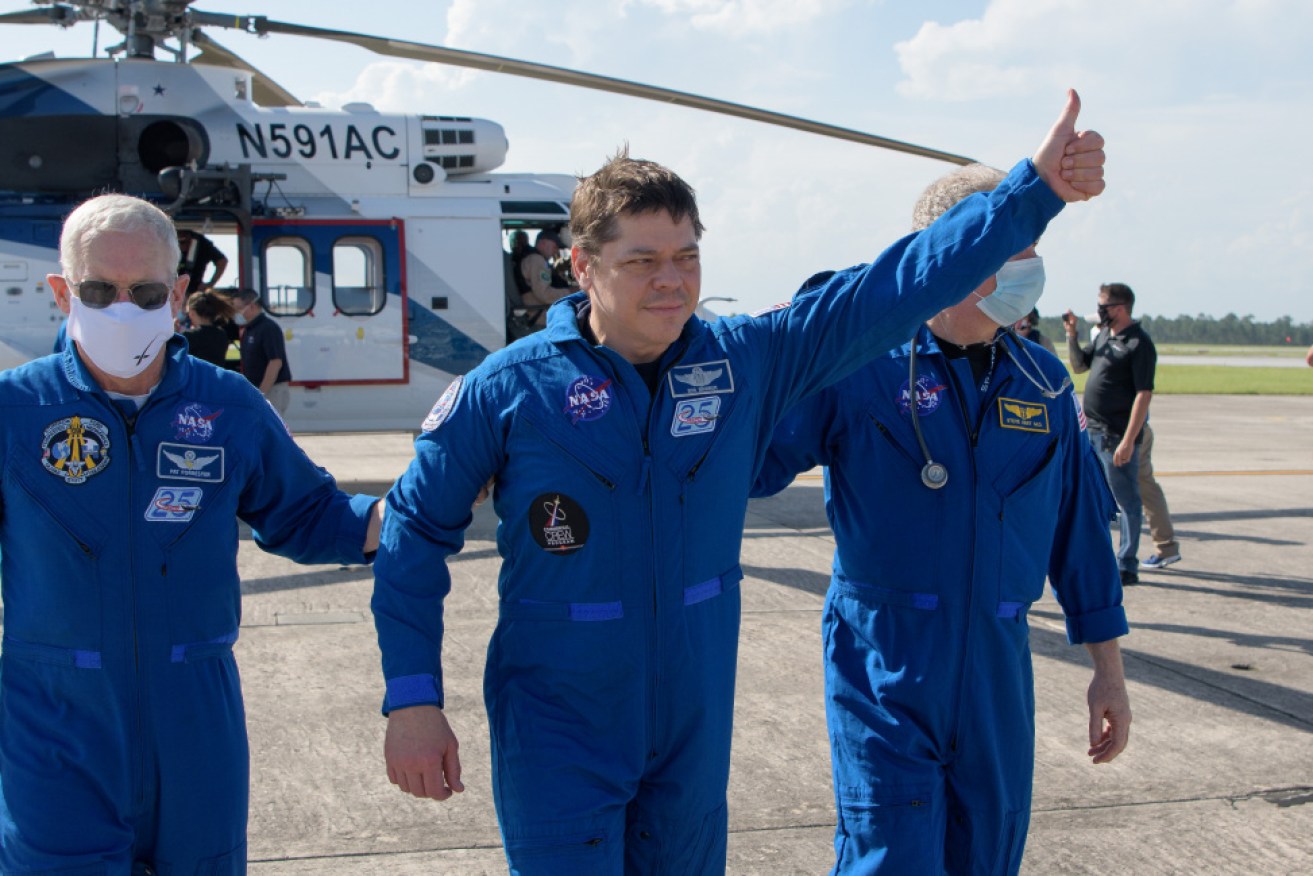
(1080, 412)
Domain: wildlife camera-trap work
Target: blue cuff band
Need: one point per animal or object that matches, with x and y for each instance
(1097, 626)
(411, 690)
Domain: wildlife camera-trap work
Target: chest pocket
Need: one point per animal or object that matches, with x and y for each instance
(52, 561)
(561, 536)
(1028, 517)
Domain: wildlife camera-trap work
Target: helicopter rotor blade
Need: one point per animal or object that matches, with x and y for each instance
(61, 15)
(266, 92)
(496, 64)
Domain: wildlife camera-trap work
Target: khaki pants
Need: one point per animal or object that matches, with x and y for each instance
(280, 396)
(1155, 504)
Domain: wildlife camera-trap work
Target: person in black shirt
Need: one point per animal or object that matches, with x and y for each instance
(264, 355)
(199, 254)
(209, 315)
(1121, 362)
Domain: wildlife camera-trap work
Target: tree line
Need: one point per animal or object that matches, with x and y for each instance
(1205, 329)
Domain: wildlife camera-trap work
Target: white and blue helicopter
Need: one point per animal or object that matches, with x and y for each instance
(378, 241)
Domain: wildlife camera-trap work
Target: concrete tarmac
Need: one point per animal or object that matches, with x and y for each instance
(1218, 777)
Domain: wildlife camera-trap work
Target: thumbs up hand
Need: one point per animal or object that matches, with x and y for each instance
(1071, 161)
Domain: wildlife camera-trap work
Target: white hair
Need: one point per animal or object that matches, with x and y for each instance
(117, 213)
(946, 191)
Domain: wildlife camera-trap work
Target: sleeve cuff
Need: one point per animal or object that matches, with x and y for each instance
(412, 690)
(1097, 626)
(351, 533)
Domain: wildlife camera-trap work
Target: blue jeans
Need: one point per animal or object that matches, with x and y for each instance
(1125, 484)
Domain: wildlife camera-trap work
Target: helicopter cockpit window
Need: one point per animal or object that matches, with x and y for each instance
(358, 276)
(288, 279)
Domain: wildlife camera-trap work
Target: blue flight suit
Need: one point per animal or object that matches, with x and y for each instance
(122, 731)
(610, 676)
(929, 695)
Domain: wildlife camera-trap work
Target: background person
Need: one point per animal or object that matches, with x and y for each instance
(536, 270)
(198, 254)
(209, 315)
(264, 352)
(623, 441)
(1156, 516)
(928, 677)
(1121, 361)
(124, 468)
(1028, 328)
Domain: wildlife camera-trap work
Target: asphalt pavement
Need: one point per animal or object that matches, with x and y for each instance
(1218, 777)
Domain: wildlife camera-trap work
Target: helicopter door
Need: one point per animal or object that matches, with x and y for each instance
(337, 290)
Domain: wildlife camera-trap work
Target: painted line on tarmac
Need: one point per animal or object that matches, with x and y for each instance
(1270, 472)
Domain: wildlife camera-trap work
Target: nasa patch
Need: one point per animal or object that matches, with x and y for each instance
(193, 422)
(75, 448)
(174, 504)
(929, 394)
(558, 523)
(587, 399)
(443, 406)
(695, 416)
(701, 378)
(187, 463)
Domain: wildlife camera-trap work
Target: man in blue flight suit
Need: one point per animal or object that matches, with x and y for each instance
(954, 484)
(125, 465)
(623, 441)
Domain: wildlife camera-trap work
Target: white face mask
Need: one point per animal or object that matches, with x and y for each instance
(1019, 287)
(121, 339)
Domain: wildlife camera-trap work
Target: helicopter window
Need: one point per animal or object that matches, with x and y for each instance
(288, 282)
(358, 276)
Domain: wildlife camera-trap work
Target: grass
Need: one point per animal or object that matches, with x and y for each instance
(1226, 380)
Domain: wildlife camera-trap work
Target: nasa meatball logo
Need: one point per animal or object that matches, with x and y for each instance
(558, 523)
(194, 423)
(929, 393)
(587, 399)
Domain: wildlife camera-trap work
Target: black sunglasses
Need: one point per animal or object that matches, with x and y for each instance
(99, 294)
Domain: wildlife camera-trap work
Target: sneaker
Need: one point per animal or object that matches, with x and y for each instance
(1129, 578)
(1160, 561)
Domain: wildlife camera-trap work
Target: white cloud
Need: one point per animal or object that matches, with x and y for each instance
(742, 17)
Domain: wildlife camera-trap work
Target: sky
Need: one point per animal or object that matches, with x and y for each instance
(1205, 104)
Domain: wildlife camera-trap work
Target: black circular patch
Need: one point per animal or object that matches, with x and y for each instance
(558, 523)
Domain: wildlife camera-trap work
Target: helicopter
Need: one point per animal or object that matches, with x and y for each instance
(379, 241)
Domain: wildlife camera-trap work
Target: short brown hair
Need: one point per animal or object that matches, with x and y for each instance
(629, 186)
(1119, 293)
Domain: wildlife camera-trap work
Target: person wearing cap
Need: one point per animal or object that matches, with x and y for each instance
(125, 465)
(536, 270)
(264, 353)
(622, 442)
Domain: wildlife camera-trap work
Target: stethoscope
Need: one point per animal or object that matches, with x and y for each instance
(935, 474)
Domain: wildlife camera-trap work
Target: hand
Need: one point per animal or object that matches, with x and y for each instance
(1071, 162)
(421, 753)
(1122, 454)
(485, 491)
(1069, 324)
(375, 526)
(1110, 716)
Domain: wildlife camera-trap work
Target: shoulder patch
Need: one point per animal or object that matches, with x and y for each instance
(443, 406)
(765, 310)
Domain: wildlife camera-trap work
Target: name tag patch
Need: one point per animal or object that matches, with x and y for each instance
(1028, 416)
(174, 504)
(189, 463)
(695, 415)
(702, 378)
